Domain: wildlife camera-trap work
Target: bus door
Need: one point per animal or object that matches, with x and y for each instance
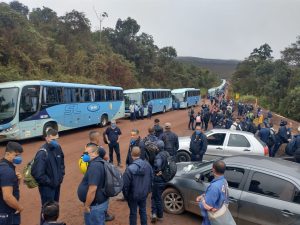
(28, 112)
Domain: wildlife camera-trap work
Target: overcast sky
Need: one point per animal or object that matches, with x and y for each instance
(223, 29)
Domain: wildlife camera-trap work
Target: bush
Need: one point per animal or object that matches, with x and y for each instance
(248, 99)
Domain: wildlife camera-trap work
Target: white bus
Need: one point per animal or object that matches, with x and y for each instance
(185, 97)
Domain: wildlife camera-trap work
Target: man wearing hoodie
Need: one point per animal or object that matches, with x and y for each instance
(159, 183)
(137, 185)
(198, 145)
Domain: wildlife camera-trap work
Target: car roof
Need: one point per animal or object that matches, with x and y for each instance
(231, 131)
(275, 164)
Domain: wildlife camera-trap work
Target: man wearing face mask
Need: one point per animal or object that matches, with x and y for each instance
(112, 135)
(90, 189)
(10, 207)
(134, 141)
(48, 168)
(198, 145)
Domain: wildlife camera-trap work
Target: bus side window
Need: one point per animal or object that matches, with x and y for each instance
(77, 95)
(29, 103)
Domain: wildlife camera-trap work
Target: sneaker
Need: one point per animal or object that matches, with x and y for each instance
(153, 218)
(160, 219)
(109, 217)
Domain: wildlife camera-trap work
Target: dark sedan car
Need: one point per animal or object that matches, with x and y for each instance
(262, 190)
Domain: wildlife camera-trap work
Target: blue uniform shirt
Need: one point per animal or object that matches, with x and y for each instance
(215, 196)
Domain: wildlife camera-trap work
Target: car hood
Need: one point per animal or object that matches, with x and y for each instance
(186, 167)
(184, 142)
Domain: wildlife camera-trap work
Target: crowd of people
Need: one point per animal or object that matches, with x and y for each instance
(146, 162)
(220, 113)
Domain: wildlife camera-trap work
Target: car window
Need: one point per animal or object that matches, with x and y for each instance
(271, 186)
(237, 140)
(216, 139)
(234, 176)
(208, 176)
(296, 198)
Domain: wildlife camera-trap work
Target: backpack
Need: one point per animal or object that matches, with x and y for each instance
(170, 168)
(113, 180)
(272, 139)
(29, 180)
(151, 149)
(290, 147)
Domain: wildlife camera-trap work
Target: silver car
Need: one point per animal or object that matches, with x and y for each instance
(262, 190)
(223, 142)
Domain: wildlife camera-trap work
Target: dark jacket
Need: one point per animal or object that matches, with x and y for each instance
(282, 134)
(171, 142)
(297, 145)
(49, 167)
(137, 180)
(159, 163)
(198, 144)
(264, 134)
(139, 143)
(158, 130)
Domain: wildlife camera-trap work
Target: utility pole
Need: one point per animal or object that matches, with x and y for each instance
(101, 17)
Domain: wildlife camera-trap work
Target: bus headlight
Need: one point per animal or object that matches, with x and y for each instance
(10, 128)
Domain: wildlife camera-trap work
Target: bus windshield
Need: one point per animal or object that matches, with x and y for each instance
(132, 98)
(179, 97)
(8, 103)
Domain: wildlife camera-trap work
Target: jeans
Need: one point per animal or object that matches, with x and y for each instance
(133, 205)
(156, 199)
(275, 148)
(132, 116)
(112, 147)
(191, 123)
(97, 214)
(196, 158)
(48, 194)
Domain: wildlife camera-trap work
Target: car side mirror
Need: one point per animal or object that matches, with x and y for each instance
(199, 178)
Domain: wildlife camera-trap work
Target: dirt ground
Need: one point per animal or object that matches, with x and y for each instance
(73, 143)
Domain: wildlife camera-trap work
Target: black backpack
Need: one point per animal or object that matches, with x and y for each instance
(113, 184)
(291, 147)
(170, 168)
(151, 150)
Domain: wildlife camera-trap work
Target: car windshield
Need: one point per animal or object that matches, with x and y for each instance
(132, 98)
(196, 166)
(179, 97)
(8, 103)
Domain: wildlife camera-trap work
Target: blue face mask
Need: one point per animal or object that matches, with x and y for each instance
(198, 132)
(86, 158)
(113, 126)
(54, 143)
(17, 160)
(132, 142)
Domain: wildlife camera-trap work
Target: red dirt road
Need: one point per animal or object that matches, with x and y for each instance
(73, 143)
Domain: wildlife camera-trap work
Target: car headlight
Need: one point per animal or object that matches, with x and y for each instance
(10, 128)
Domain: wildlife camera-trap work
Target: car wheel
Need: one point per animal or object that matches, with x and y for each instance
(173, 201)
(183, 156)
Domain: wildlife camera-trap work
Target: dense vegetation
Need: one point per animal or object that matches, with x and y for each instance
(41, 45)
(225, 68)
(276, 83)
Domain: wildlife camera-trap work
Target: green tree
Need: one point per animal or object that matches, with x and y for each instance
(291, 54)
(19, 7)
(262, 53)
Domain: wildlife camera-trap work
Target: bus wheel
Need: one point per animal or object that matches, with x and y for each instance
(103, 121)
(48, 126)
(164, 110)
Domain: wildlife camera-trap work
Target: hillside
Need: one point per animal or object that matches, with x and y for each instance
(224, 68)
(39, 44)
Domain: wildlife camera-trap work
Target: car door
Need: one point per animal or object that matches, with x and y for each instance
(269, 199)
(215, 143)
(236, 178)
(238, 144)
